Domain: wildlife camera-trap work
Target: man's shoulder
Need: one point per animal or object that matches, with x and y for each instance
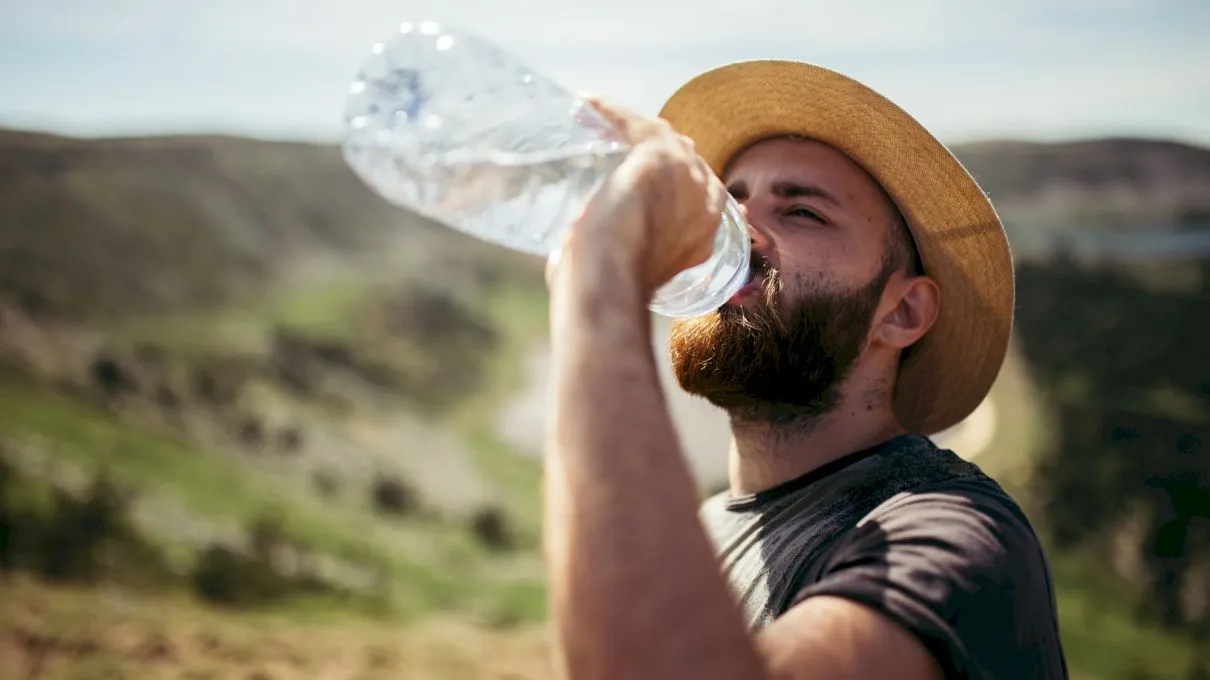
(949, 480)
(956, 562)
(932, 494)
(920, 457)
(906, 465)
(972, 514)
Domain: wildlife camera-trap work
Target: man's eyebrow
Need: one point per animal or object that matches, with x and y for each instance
(797, 190)
(785, 190)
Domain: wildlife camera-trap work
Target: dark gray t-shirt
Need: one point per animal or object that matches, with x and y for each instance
(913, 531)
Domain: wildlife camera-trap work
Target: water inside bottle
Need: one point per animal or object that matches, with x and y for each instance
(523, 201)
(448, 125)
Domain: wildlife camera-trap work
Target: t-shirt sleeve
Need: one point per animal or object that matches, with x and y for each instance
(960, 568)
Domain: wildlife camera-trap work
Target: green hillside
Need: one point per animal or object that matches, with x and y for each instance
(249, 341)
(275, 392)
(115, 227)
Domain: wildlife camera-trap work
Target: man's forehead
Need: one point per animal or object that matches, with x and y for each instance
(797, 159)
(785, 151)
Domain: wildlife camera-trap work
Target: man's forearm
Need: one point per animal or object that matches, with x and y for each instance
(635, 587)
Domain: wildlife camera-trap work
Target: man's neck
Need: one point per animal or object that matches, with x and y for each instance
(765, 452)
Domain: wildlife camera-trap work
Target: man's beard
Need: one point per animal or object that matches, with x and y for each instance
(780, 361)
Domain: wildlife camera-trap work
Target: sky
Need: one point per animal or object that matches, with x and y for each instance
(967, 69)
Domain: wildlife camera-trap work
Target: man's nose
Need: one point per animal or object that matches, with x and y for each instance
(758, 234)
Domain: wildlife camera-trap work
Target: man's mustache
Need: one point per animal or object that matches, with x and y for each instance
(758, 265)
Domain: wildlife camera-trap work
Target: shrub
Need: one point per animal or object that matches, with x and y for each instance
(74, 543)
(7, 512)
(491, 526)
(76, 539)
(225, 576)
(392, 495)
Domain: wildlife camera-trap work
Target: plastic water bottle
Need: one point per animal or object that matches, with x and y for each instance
(447, 124)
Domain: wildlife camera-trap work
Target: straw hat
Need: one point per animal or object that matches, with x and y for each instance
(957, 232)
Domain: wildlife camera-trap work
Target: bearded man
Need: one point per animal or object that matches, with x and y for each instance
(878, 312)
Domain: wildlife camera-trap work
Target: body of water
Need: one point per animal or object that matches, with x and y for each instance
(1117, 244)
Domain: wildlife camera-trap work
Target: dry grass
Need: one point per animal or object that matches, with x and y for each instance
(56, 634)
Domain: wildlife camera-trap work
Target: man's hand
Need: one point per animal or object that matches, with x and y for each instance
(659, 210)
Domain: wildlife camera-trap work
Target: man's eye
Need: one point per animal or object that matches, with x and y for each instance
(805, 213)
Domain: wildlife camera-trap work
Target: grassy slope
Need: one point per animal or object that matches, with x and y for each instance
(204, 245)
(1101, 638)
(171, 226)
(432, 566)
(71, 634)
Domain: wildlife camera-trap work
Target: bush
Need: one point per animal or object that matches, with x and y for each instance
(80, 532)
(75, 539)
(21, 527)
(491, 526)
(7, 551)
(290, 440)
(267, 537)
(394, 496)
(223, 575)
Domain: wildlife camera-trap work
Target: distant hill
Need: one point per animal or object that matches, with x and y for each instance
(1043, 191)
(113, 226)
(105, 227)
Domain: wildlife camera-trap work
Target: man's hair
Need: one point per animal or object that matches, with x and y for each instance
(900, 247)
(899, 252)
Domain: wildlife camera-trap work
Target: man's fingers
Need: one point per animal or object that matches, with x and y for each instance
(635, 127)
(718, 198)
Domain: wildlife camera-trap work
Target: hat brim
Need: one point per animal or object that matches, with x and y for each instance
(958, 234)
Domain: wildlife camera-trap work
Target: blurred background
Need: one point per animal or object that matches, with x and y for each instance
(257, 423)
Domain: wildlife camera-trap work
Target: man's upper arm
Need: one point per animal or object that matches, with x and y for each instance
(829, 638)
(941, 583)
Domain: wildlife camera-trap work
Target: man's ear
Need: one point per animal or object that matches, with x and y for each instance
(916, 302)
